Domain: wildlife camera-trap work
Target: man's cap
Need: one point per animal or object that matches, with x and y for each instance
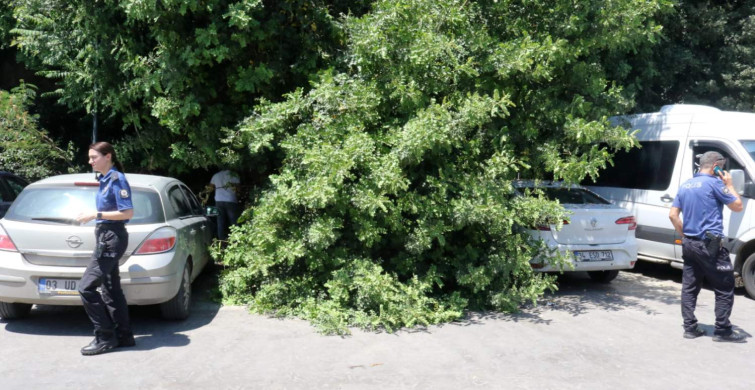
(710, 158)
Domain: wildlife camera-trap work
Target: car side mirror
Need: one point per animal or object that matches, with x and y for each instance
(738, 180)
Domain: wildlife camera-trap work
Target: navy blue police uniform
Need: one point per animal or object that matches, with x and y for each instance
(108, 309)
(701, 200)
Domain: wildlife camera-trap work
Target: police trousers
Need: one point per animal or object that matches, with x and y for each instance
(100, 287)
(701, 265)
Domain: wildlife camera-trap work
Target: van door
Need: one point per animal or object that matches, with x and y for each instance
(735, 224)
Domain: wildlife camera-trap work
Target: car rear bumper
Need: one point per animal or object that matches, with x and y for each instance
(155, 279)
(624, 257)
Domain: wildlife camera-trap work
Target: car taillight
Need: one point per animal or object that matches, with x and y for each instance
(627, 220)
(5, 242)
(162, 240)
(548, 227)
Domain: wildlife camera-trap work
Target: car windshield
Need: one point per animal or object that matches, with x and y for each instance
(571, 195)
(63, 204)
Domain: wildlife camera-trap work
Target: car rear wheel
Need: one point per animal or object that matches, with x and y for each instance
(178, 307)
(10, 311)
(748, 275)
(603, 276)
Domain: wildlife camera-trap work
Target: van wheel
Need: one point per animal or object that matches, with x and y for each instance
(12, 311)
(748, 275)
(603, 276)
(178, 307)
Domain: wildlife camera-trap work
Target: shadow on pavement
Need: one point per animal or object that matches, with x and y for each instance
(578, 294)
(150, 331)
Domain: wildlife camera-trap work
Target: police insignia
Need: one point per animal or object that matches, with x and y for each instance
(124, 193)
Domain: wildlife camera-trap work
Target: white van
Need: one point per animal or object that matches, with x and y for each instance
(647, 179)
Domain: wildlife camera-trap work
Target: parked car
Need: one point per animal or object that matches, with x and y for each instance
(10, 186)
(598, 237)
(44, 251)
(645, 180)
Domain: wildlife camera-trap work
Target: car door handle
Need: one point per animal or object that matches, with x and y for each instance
(667, 198)
(193, 232)
(203, 227)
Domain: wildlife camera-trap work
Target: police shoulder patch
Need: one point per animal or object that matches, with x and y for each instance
(124, 193)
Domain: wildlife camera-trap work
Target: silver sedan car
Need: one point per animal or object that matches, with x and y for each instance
(599, 237)
(44, 252)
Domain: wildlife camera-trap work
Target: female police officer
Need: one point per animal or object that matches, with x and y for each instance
(107, 307)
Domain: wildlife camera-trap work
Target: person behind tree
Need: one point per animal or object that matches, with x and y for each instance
(226, 184)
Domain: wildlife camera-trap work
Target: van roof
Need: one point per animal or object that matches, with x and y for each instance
(739, 125)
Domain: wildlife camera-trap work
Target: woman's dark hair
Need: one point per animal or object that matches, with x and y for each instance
(105, 148)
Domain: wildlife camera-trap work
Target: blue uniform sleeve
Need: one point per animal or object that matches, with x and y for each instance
(122, 192)
(678, 200)
(722, 193)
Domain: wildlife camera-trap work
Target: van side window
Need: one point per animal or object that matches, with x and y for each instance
(647, 168)
(731, 163)
(698, 150)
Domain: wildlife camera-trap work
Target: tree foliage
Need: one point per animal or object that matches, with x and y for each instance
(705, 56)
(6, 23)
(25, 149)
(174, 72)
(393, 205)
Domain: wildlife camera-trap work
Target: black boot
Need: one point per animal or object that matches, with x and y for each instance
(102, 343)
(126, 339)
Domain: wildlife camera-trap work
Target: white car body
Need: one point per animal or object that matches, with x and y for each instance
(598, 237)
(42, 256)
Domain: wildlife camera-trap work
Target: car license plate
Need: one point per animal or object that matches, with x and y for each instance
(593, 255)
(50, 286)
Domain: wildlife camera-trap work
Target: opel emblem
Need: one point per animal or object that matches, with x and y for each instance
(593, 222)
(74, 241)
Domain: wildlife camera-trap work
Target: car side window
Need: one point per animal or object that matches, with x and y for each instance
(196, 208)
(178, 202)
(15, 185)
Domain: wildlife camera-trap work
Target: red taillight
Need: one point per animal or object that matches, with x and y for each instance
(160, 241)
(548, 227)
(5, 242)
(627, 220)
(86, 184)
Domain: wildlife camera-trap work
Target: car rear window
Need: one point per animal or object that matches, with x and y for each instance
(57, 204)
(571, 195)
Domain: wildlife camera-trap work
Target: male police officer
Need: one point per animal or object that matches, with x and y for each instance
(701, 201)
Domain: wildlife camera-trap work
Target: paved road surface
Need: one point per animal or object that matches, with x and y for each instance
(625, 335)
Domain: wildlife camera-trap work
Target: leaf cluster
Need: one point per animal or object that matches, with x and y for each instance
(705, 55)
(25, 149)
(393, 204)
(174, 73)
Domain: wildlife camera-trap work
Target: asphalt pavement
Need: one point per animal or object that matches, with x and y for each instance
(623, 335)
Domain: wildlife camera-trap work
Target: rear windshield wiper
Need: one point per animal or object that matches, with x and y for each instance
(67, 221)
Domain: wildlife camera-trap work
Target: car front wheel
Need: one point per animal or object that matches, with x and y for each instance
(603, 276)
(11, 311)
(178, 307)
